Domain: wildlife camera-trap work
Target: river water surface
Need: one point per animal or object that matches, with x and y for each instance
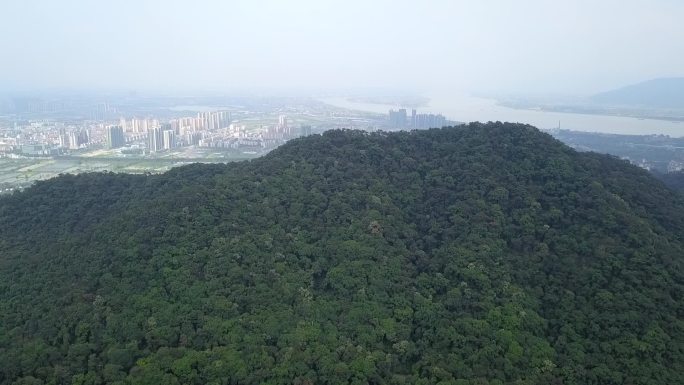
(465, 108)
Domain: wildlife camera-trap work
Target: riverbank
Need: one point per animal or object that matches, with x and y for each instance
(466, 108)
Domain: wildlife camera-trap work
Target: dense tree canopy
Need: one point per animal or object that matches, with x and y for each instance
(483, 254)
(674, 180)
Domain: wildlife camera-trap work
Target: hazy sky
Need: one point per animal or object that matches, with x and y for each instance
(527, 46)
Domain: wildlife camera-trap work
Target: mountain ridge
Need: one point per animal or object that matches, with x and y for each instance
(655, 93)
(481, 254)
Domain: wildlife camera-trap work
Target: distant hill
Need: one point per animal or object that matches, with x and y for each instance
(487, 254)
(656, 93)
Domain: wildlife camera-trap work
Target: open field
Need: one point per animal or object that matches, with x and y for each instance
(20, 173)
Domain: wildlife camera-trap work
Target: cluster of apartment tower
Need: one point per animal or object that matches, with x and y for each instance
(400, 119)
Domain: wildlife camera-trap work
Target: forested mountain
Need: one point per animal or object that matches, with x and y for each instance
(656, 93)
(483, 254)
(674, 180)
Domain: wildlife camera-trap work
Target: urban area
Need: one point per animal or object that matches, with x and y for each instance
(42, 137)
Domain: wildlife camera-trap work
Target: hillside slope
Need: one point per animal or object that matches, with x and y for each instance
(656, 93)
(674, 180)
(484, 254)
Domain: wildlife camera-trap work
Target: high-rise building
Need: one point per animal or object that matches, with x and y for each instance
(169, 139)
(115, 137)
(155, 140)
(192, 138)
(224, 118)
(305, 130)
(73, 140)
(397, 119)
(84, 137)
(123, 124)
(429, 121)
(282, 128)
(63, 137)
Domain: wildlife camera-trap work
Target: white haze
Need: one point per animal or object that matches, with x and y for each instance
(524, 46)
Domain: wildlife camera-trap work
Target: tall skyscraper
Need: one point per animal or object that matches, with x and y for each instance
(224, 118)
(305, 130)
(169, 139)
(63, 137)
(282, 128)
(84, 136)
(155, 139)
(429, 121)
(123, 124)
(115, 137)
(397, 119)
(73, 140)
(192, 138)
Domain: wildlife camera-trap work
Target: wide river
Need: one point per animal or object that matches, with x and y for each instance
(468, 109)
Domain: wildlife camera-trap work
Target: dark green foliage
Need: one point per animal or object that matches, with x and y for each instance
(673, 180)
(486, 254)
